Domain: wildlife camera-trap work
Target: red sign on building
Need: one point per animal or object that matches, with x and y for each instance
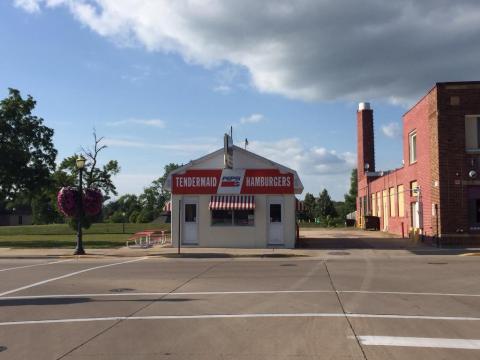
(253, 181)
(267, 181)
(196, 182)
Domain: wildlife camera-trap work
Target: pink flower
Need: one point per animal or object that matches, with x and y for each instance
(67, 201)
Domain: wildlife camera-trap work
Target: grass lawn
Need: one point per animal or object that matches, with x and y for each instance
(62, 236)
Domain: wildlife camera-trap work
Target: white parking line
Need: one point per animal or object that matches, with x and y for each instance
(68, 275)
(252, 292)
(406, 293)
(468, 344)
(235, 316)
(29, 266)
(133, 294)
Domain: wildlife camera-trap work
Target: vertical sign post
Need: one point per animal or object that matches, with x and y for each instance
(179, 224)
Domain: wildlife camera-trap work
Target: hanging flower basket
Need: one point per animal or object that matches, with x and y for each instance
(67, 201)
(92, 201)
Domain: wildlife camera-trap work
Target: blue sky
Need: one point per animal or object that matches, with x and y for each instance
(163, 83)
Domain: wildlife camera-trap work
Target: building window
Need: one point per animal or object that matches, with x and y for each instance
(190, 212)
(374, 205)
(275, 213)
(379, 204)
(472, 132)
(233, 218)
(412, 145)
(401, 201)
(392, 202)
(414, 188)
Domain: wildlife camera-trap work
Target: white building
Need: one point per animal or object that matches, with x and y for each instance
(234, 198)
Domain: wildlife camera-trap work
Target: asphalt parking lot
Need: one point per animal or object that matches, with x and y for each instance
(340, 307)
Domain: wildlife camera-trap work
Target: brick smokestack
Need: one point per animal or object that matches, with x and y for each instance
(365, 139)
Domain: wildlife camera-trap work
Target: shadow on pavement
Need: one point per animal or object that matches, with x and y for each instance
(353, 243)
(79, 300)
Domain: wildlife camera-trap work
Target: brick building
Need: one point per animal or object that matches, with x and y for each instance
(436, 193)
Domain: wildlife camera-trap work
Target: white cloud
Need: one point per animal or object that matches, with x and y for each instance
(252, 119)
(392, 130)
(223, 89)
(304, 49)
(194, 147)
(317, 167)
(308, 161)
(31, 6)
(146, 122)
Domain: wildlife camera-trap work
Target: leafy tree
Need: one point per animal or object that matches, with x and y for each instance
(26, 147)
(146, 215)
(155, 196)
(133, 216)
(310, 206)
(351, 197)
(94, 175)
(124, 204)
(325, 206)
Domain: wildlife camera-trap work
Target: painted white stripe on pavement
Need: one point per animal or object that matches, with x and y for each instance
(253, 292)
(235, 316)
(68, 275)
(469, 344)
(133, 294)
(406, 293)
(33, 265)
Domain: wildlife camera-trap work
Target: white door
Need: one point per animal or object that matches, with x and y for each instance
(190, 221)
(385, 210)
(275, 221)
(415, 215)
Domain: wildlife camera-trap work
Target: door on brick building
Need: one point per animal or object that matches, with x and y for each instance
(415, 217)
(474, 207)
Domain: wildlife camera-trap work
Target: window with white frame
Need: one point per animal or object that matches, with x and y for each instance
(412, 146)
(472, 132)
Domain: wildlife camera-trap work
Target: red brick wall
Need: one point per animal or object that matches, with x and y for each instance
(454, 162)
(416, 119)
(442, 165)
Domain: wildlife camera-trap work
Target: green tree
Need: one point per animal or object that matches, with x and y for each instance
(155, 196)
(27, 152)
(310, 206)
(94, 175)
(351, 197)
(325, 206)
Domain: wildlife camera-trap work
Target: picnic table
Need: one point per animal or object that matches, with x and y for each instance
(148, 238)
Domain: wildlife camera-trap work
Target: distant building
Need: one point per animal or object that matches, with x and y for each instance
(436, 193)
(19, 217)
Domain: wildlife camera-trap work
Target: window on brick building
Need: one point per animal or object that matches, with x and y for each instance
(472, 132)
(374, 205)
(412, 146)
(392, 202)
(379, 204)
(401, 201)
(414, 188)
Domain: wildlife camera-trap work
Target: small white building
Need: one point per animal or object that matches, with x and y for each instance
(233, 198)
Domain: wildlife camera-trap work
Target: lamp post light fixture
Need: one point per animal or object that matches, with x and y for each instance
(80, 163)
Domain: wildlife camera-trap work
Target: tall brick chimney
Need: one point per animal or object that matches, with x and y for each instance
(365, 139)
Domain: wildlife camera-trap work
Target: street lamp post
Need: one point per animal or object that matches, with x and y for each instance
(123, 225)
(80, 165)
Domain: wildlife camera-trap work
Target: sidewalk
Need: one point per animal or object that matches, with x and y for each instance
(219, 253)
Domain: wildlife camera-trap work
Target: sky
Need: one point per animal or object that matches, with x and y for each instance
(163, 80)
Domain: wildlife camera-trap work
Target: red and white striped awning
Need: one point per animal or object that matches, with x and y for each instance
(167, 207)
(232, 202)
